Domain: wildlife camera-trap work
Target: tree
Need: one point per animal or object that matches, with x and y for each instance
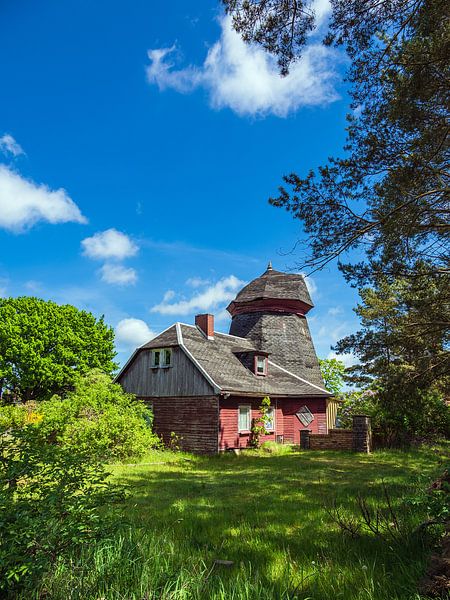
(404, 356)
(390, 191)
(332, 371)
(44, 347)
(387, 197)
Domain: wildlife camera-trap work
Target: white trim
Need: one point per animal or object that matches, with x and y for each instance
(298, 377)
(179, 333)
(274, 413)
(249, 406)
(126, 365)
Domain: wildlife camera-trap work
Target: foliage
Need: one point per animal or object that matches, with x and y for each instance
(332, 371)
(275, 448)
(50, 505)
(259, 425)
(99, 417)
(387, 197)
(404, 356)
(357, 402)
(263, 512)
(175, 442)
(389, 193)
(434, 500)
(45, 346)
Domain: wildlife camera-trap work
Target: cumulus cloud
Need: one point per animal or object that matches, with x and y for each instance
(118, 274)
(24, 203)
(246, 79)
(109, 244)
(196, 282)
(209, 299)
(132, 333)
(8, 145)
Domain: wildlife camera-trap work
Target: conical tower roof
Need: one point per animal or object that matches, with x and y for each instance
(274, 284)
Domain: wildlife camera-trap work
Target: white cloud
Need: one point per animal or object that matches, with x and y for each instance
(118, 274)
(169, 295)
(218, 293)
(109, 244)
(8, 145)
(23, 203)
(246, 78)
(335, 310)
(196, 282)
(348, 359)
(311, 285)
(132, 333)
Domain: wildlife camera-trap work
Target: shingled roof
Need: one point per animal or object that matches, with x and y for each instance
(273, 285)
(220, 361)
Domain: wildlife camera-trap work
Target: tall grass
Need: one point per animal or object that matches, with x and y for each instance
(267, 514)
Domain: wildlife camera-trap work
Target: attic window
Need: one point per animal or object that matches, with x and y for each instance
(305, 416)
(161, 358)
(261, 365)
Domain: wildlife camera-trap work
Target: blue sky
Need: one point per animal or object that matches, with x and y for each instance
(139, 143)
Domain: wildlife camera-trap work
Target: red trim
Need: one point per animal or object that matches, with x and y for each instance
(296, 307)
(255, 365)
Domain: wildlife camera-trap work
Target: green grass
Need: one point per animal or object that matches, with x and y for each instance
(266, 513)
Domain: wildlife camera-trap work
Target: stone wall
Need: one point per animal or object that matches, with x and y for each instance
(357, 439)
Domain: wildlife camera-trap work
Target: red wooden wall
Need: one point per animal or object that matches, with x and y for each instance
(287, 423)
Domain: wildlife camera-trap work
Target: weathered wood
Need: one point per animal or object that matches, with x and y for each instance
(181, 379)
(194, 420)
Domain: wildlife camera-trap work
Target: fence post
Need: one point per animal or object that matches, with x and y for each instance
(362, 434)
(304, 439)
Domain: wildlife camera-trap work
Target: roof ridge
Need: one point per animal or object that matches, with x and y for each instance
(298, 377)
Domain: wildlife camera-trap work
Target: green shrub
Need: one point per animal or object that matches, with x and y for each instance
(276, 449)
(99, 417)
(50, 505)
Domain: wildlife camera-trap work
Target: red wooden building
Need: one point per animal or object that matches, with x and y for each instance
(207, 386)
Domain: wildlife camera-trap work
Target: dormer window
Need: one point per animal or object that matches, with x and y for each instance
(161, 358)
(260, 365)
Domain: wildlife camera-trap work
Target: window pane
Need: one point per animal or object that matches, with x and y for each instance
(167, 357)
(156, 358)
(260, 364)
(244, 418)
(270, 424)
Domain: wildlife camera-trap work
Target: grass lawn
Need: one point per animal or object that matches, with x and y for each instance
(267, 514)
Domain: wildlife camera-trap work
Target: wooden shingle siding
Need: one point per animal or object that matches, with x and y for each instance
(181, 379)
(194, 420)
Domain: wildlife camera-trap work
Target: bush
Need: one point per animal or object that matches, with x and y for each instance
(275, 448)
(99, 417)
(50, 505)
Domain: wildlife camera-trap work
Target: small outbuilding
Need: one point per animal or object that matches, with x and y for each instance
(207, 386)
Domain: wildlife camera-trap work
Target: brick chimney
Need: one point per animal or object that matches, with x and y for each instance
(206, 324)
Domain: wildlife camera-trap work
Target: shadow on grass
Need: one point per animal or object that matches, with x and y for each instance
(267, 511)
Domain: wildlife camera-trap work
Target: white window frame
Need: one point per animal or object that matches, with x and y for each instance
(249, 418)
(162, 358)
(272, 410)
(258, 357)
